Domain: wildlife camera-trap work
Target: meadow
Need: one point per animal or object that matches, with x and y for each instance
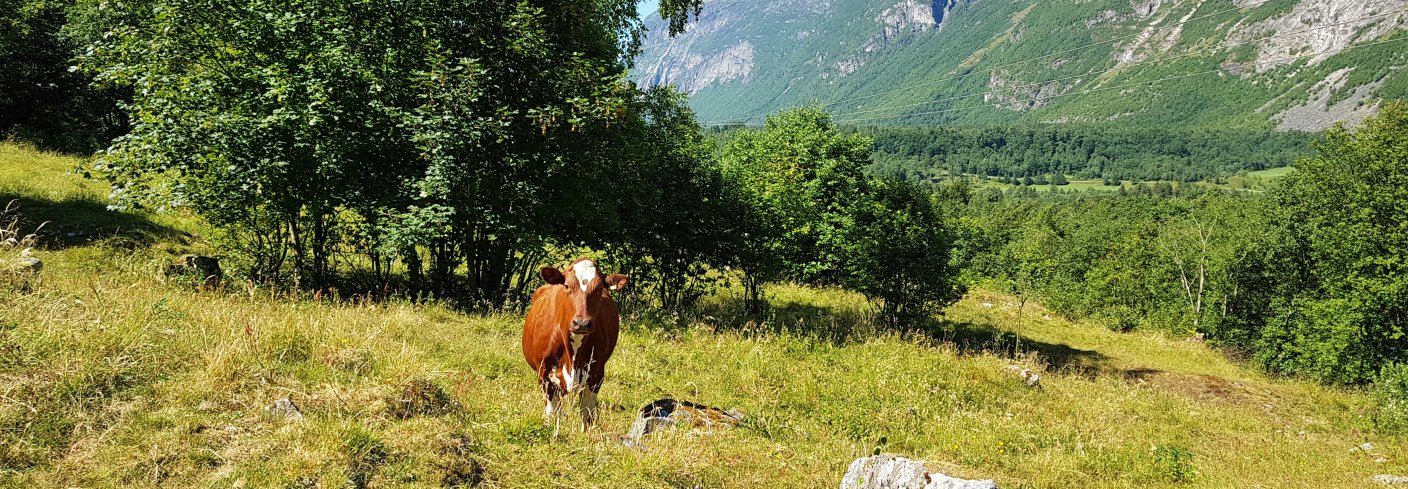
(111, 376)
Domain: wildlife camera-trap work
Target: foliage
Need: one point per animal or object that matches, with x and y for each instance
(798, 177)
(1134, 261)
(683, 222)
(1336, 304)
(43, 100)
(815, 217)
(1391, 398)
(897, 253)
(1175, 462)
(452, 139)
(1081, 151)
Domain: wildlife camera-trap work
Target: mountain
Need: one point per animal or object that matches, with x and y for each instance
(1288, 64)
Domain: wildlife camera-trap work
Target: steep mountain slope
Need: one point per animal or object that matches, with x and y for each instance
(1291, 64)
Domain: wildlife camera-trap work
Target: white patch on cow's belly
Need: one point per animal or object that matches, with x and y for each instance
(572, 379)
(586, 272)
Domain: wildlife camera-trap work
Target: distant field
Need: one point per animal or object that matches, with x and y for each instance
(112, 378)
(1253, 181)
(1272, 172)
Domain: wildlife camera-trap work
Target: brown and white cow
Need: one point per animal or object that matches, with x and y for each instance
(570, 332)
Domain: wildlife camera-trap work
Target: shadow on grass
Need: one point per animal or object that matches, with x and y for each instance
(835, 325)
(839, 326)
(65, 223)
(972, 338)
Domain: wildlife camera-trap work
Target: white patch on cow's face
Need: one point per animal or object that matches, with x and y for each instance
(586, 272)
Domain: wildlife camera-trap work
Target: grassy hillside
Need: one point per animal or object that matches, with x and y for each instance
(112, 378)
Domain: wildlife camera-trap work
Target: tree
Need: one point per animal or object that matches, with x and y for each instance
(42, 100)
(1337, 308)
(461, 136)
(798, 176)
(897, 250)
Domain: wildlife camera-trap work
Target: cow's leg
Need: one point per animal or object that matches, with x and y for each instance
(587, 402)
(554, 401)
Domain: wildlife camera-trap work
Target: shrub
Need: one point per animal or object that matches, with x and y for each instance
(1391, 399)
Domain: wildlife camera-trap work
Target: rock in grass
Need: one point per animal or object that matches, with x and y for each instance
(890, 472)
(286, 409)
(666, 413)
(28, 264)
(1391, 480)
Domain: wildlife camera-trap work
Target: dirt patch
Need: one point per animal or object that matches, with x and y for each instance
(1201, 387)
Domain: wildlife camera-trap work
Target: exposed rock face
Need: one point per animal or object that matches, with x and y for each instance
(900, 20)
(1019, 95)
(1318, 114)
(684, 61)
(744, 58)
(906, 17)
(891, 472)
(691, 72)
(1292, 37)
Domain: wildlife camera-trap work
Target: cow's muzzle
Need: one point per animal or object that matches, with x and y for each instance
(581, 326)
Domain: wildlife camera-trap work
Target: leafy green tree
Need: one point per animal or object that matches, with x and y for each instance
(683, 222)
(460, 136)
(1338, 309)
(798, 176)
(897, 251)
(42, 100)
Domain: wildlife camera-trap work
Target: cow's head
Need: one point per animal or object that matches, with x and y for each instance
(586, 288)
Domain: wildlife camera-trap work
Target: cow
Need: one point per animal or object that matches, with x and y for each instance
(569, 334)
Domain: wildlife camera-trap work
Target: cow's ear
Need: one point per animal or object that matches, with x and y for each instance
(552, 276)
(616, 281)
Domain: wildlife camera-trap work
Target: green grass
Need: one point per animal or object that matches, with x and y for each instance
(112, 378)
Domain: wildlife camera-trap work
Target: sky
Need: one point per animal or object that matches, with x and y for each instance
(647, 7)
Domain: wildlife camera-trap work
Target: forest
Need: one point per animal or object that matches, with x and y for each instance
(1081, 152)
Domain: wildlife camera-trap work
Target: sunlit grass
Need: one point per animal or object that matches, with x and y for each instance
(111, 378)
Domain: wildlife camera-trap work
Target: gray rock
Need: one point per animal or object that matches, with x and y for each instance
(286, 409)
(27, 264)
(890, 472)
(1390, 480)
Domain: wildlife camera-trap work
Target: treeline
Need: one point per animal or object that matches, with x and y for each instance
(1080, 151)
(449, 148)
(1308, 280)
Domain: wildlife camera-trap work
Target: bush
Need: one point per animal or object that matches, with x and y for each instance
(1391, 399)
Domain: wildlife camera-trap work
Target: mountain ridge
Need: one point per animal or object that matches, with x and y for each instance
(1287, 64)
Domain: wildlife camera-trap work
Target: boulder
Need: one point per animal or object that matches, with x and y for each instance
(666, 413)
(886, 471)
(27, 265)
(285, 408)
(1391, 480)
